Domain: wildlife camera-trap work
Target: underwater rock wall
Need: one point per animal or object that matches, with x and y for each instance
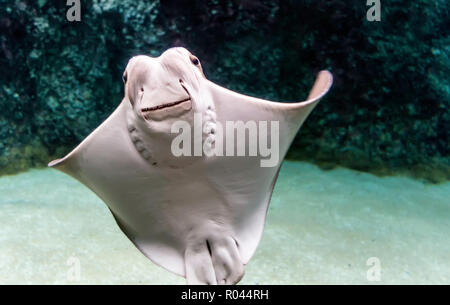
(388, 110)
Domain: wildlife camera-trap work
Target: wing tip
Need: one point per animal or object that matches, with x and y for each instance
(322, 85)
(55, 163)
(64, 164)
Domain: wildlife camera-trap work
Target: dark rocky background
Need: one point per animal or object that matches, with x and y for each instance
(388, 111)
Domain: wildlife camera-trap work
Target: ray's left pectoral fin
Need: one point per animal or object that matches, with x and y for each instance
(289, 117)
(235, 106)
(321, 86)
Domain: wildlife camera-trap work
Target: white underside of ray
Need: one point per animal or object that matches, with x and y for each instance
(164, 210)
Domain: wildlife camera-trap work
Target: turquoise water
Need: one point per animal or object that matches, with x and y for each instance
(322, 227)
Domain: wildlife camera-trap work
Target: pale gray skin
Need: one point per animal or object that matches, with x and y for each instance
(199, 217)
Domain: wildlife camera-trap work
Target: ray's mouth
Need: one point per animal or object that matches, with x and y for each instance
(168, 105)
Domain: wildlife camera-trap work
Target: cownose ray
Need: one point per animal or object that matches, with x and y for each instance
(199, 216)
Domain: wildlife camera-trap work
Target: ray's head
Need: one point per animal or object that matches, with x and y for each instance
(166, 87)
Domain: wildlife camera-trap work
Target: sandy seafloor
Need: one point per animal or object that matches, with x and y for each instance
(322, 227)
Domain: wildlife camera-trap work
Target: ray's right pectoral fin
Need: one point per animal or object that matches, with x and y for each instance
(103, 143)
(67, 165)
